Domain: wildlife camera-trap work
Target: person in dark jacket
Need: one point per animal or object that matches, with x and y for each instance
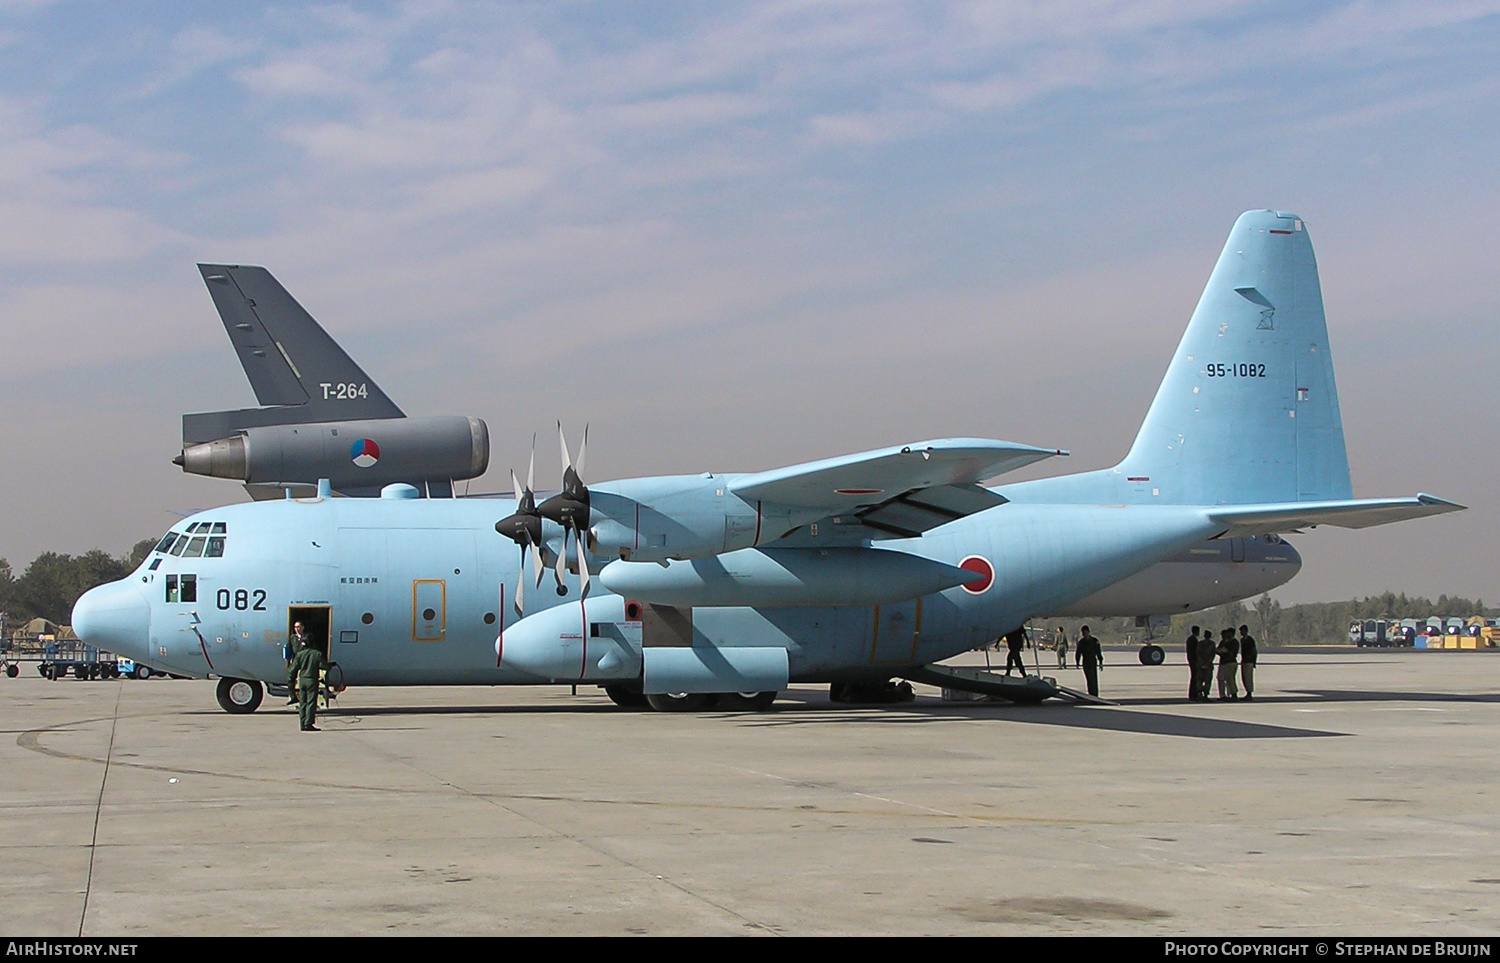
(1207, 652)
(1248, 656)
(1090, 656)
(1229, 652)
(1192, 660)
(308, 664)
(1015, 641)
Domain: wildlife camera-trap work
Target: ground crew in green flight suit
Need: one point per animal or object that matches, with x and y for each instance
(308, 663)
(295, 643)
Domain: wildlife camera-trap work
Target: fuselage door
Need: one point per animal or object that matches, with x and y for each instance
(429, 609)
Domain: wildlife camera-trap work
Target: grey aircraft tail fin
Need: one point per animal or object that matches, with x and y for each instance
(288, 357)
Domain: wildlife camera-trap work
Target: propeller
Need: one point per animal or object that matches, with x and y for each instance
(570, 509)
(524, 527)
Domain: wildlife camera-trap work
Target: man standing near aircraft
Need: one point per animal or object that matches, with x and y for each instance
(1206, 653)
(1062, 648)
(1192, 661)
(1089, 656)
(295, 643)
(1015, 642)
(308, 664)
(1229, 651)
(1247, 661)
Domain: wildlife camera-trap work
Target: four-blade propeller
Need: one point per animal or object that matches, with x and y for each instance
(525, 528)
(569, 508)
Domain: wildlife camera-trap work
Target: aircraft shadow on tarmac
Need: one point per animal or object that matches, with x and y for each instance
(797, 709)
(1078, 717)
(1160, 724)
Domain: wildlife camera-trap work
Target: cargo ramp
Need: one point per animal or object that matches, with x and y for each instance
(1025, 690)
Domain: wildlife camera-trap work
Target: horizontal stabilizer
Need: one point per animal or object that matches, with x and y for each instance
(1351, 513)
(866, 479)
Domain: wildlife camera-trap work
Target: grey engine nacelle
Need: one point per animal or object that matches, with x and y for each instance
(352, 455)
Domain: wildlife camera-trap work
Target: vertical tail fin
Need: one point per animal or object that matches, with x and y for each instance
(288, 357)
(1248, 411)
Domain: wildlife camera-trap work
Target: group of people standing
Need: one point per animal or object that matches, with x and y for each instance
(1234, 653)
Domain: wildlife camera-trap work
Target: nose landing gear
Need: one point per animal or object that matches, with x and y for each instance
(239, 696)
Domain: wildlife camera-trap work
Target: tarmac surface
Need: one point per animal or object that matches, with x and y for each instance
(1359, 794)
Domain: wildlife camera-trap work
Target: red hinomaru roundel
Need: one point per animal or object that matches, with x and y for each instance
(981, 565)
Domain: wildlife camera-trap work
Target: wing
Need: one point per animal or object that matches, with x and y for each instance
(900, 491)
(1352, 513)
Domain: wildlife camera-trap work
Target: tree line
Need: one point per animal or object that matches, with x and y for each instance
(53, 581)
(1324, 623)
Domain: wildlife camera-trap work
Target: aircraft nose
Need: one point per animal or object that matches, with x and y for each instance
(114, 617)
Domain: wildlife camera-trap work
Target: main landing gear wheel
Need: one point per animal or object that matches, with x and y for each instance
(676, 702)
(1152, 655)
(11, 671)
(240, 696)
(625, 697)
(747, 701)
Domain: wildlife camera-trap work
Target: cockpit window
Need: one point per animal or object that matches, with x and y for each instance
(215, 547)
(182, 541)
(172, 594)
(219, 528)
(166, 542)
(195, 547)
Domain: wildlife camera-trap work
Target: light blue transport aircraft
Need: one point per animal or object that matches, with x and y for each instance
(849, 571)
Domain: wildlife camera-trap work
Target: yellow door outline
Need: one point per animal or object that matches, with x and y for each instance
(916, 639)
(442, 613)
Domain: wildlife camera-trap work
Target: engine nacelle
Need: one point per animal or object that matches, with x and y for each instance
(355, 456)
(581, 641)
(786, 577)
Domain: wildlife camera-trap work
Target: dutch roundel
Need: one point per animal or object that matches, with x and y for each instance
(365, 452)
(982, 566)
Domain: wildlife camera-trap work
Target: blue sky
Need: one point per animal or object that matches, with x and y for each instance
(734, 236)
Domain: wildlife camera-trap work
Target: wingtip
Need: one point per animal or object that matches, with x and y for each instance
(1427, 499)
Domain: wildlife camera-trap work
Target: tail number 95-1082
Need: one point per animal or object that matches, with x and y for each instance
(1245, 369)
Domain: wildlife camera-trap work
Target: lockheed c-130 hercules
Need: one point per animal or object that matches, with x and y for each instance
(848, 571)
